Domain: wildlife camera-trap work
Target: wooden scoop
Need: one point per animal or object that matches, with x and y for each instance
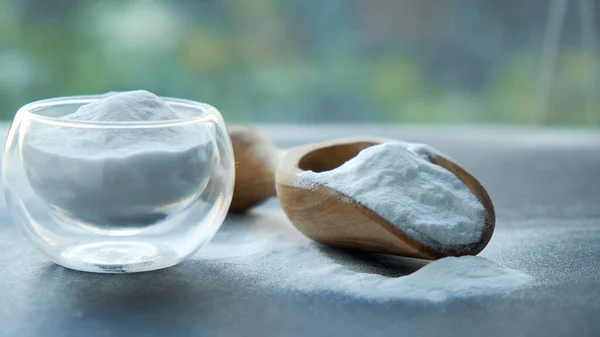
(256, 160)
(326, 215)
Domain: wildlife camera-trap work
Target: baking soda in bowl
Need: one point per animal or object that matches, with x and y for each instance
(118, 183)
(119, 178)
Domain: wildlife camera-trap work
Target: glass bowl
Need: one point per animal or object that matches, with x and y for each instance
(94, 204)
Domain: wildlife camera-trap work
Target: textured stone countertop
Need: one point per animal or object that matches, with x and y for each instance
(546, 190)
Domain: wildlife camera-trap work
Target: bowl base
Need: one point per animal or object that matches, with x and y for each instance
(117, 257)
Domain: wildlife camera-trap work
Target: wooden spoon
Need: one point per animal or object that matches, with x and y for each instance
(326, 215)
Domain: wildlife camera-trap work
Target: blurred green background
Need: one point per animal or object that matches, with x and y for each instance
(305, 61)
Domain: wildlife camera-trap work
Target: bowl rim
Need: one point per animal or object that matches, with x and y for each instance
(28, 111)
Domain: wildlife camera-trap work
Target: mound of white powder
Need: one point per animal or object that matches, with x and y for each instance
(132, 106)
(118, 175)
(398, 182)
(267, 252)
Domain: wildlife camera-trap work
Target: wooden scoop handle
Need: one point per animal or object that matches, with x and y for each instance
(256, 161)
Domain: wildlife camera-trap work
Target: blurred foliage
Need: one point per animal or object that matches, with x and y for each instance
(418, 61)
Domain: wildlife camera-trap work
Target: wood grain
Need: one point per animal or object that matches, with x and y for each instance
(256, 159)
(329, 217)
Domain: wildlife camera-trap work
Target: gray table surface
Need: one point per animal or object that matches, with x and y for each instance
(544, 184)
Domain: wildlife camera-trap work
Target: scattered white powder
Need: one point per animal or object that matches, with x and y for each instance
(398, 182)
(119, 175)
(266, 252)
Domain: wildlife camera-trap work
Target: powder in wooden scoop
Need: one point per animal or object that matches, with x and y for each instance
(398, 182)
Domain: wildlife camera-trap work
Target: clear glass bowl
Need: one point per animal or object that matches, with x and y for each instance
(126, 206)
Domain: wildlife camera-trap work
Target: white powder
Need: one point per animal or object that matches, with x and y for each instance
(464, 276)
(138, 105)
(119, 175)
(266, 252)
(132, 106)
(423, 200)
